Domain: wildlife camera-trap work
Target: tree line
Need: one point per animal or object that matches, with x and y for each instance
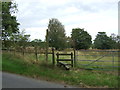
(79, 39)
(56, 37)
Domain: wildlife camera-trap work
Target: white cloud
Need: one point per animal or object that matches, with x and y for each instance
(96, 1)
(71, 10)
(93, 15)
(36, 33)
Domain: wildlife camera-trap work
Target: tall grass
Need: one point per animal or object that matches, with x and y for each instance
(42, 70)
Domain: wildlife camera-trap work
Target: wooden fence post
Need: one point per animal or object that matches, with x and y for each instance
(23, 51)
(47, 45)
(74, 58)
(53, 56)
(57, 57)
(36, 53)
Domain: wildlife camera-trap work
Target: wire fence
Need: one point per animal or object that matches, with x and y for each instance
(98, 59)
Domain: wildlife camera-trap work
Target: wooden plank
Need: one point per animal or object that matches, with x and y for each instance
(67, 64)
(64, 59)
(63, 54)
(64, 65)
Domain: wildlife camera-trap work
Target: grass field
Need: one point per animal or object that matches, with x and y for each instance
(105, 60)
(28, 66)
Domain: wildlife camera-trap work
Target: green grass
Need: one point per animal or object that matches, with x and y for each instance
(94, 55)
(103, 65)
(41, 69)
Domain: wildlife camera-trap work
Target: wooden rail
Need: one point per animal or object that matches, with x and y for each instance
(59, 63)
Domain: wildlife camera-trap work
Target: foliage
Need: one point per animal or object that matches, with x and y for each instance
(81, 39)
(9, 21)
(102, 41)
(38, 43)
(68, 42)
(20, 39)
(115, 41)
(56, 34)
(118, 42)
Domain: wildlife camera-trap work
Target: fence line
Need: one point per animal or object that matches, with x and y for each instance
(99, 65)
(95, 54)
(99, 50)
(78, 54)
(98, 61)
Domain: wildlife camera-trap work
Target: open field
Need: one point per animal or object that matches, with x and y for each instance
(104, 60)
(28, 66)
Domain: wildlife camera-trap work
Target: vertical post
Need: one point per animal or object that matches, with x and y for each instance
(53, 56)
(72, 59)
(36, 53)
(47, 45)
(23, 51)
(57, 57)
(74, 52)
(113, 59)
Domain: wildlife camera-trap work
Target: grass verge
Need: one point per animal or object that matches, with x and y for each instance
(42, 70)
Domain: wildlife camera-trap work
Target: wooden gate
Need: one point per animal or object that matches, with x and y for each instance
(60, 61)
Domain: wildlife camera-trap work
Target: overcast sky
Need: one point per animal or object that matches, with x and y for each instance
(92, 15)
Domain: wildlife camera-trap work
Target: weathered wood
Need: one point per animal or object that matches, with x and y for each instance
(47, 45)
(53, 56)
(58, 59)
(64, 59)
(63, 54)
(36, 53)
(64, 65)
(74, 58)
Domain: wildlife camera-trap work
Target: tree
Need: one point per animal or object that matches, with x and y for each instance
(23, 39)
(20, 39)
(118, 42)
(38, 43)
(81, 39)
(9, 21)
(113, 38)
(102, 41)
(68, 42)
(56, 34)
(115, 41)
